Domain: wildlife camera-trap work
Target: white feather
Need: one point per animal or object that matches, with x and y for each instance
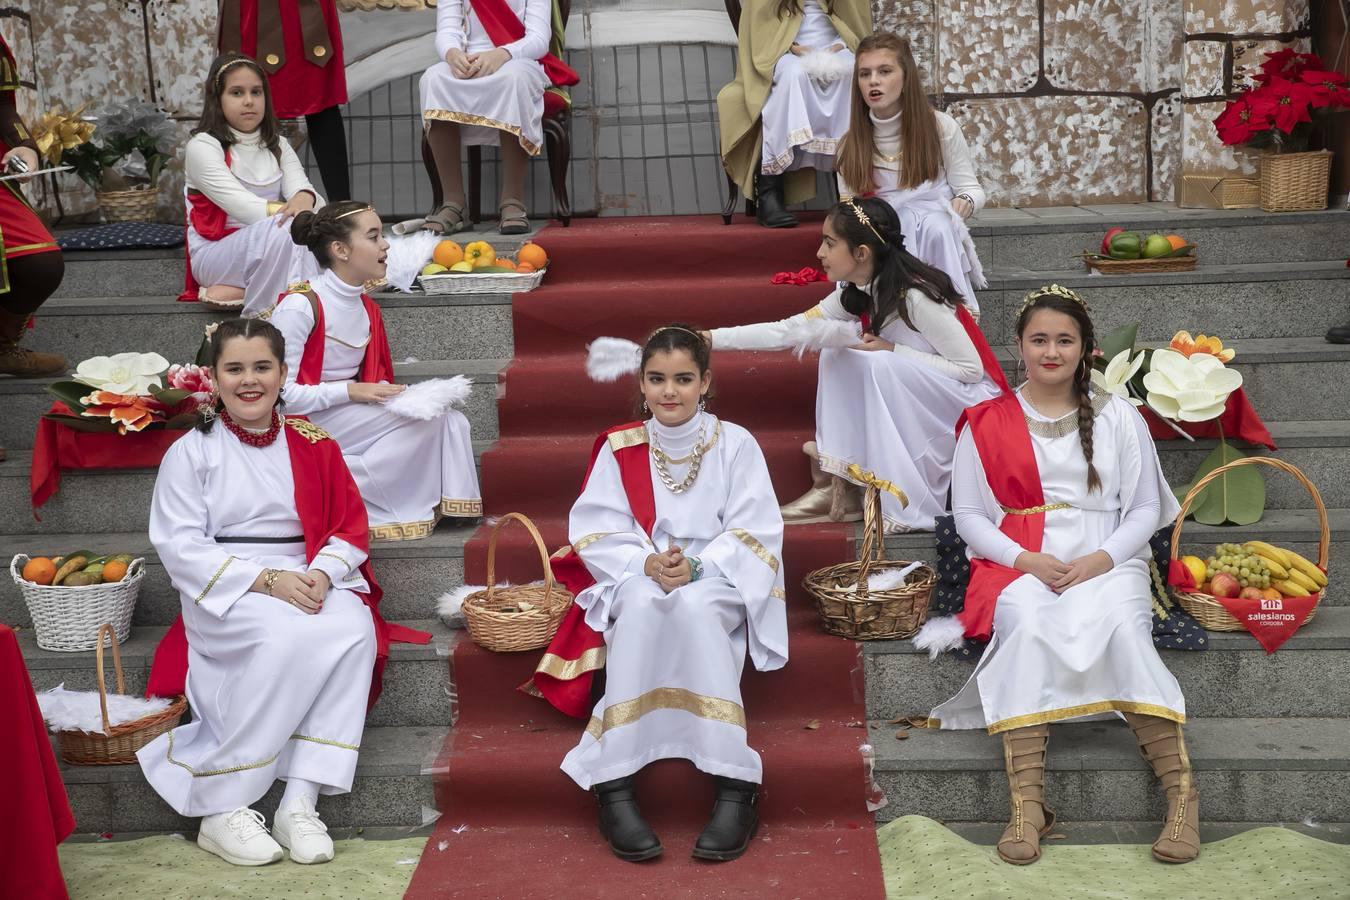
(817, 334)
(430, 399)
(939, 635)
(824, 67)
(79, 710)
(449, 606)
(408, 253)
(609, 358)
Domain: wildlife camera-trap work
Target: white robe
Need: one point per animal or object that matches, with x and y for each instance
(888, 417)
(410, 472)
(673, 661)
(511, 99)
(260, 257)
(803, 119)
(275, 692)
(1087, 653)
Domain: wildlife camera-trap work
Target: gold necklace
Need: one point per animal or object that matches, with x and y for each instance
(660, 459)
(679, 461)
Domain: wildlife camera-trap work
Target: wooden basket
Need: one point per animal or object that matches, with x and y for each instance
(1208, 611)
(117, 745)
(69, 619)
(1136, 266)
(1292, 181)
(849, 610)
(138, 205)
(494, 616)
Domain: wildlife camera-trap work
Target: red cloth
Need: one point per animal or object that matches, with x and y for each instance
(209, 221)
(1001, 436)
(376, 366)
(21, 231)
(329, 506)
(807, 275)
(1271, 622)
(299, 87)
(58, 447)
(575, 637)
(1239, 420)
(37, 813)
(504, 27)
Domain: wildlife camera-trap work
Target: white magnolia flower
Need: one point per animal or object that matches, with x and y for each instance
(1119, 371)
(1189, 389)
(122, 373)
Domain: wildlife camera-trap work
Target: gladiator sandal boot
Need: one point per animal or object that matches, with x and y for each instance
(815, 504)
(733, 823)
(20, 361)
(770, 209)
(1162, 744)
(845, 500)
(621, 822)
(1024, 759)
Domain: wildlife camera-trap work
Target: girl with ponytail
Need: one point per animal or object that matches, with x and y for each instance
(888, 400)
(1057, 490)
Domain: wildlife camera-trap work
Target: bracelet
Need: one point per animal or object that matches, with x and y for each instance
(966, 197)
(274, 207)
(695, 568)
(270, 577)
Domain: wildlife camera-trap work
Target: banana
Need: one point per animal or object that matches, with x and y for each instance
(1303, 581)
(1301, 564)
(1290, 588)
(1275, 567)
(1270, 551)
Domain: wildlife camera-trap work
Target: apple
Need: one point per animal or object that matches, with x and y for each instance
(462, 267)
(433, 269)
(1224, 585)
(1251, 593)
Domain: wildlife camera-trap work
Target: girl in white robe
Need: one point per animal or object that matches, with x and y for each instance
(1072, 621)
(410, 472)
(679, 606)
(887, 405)
(915, 158)
(243, 184)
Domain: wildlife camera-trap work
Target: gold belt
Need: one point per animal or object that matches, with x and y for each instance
(1046, 507)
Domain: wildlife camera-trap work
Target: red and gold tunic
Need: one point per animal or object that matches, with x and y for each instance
(21, 231)
(297, 42)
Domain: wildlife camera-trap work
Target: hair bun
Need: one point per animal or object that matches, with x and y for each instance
(302, 227)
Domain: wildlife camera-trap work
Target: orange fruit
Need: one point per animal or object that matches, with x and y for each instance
(447, 253)
(532, 254)
(114, 570)
(479, 254)
(506, 263)
(1177, 241)
(1270, 594)
(40, 570)
(525, 267)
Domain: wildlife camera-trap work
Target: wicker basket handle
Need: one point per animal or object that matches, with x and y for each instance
(16, 567)
(873, 543)
(1324, 542)
(107, 629)
(538, 543)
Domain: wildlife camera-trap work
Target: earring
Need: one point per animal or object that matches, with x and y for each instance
(1020, 368)
(702, 404)
(645, 410)
(208, 409)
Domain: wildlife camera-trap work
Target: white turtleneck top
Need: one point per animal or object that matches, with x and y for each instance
(678, 441)
(346, 333)
(957, 166)
(251, 163)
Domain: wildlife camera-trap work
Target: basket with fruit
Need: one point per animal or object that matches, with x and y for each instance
(477, 268)
(71, 596)
(1129, 251)
(1254, 570)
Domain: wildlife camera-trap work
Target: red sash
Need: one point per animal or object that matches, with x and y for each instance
(209, 221)
(1001, 436)
(376, 366)
(329, 506)
(991, 364)
(554, 680)
(503, 26)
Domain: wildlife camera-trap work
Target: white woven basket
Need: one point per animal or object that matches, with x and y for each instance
(67, 619)
(487, 283)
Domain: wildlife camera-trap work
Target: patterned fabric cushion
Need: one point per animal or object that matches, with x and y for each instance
(124, 236)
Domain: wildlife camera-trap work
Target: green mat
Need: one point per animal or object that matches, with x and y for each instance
(921, 859)
(172, 868)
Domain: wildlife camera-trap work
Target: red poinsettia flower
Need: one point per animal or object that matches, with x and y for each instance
(1292, 103)
(1285, 63)
(1328, 88)
(1244, 118)
(129, 412)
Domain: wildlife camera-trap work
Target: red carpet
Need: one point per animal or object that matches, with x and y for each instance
(513, 825)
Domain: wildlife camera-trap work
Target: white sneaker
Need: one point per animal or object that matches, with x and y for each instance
(299, 829)
(238, 837)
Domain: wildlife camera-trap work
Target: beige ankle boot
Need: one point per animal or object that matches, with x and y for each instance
(1162, 744)
(814, 505)
(1024, 759)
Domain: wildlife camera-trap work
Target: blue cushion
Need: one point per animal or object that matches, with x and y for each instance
(124, 236)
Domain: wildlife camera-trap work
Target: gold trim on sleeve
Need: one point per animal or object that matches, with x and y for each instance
(815, 312)
(778, 593)
(627, 712)
(629, 437)
(589, 539)
(325, 741)
(214, 578)
(756, 547)
(1087, 709)
(567, 669)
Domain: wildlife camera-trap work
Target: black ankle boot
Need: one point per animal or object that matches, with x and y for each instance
(1340, 334)
(621, 823)
(770, 210)
(733, 822)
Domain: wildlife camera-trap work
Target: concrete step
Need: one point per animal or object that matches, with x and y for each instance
(23, 401)
(394, 786)
(417, 678)
(1247, 770)
(1234, 677)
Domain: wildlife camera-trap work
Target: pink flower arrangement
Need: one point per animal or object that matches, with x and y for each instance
(196, 380)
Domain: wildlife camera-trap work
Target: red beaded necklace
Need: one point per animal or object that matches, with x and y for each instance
(252, 438)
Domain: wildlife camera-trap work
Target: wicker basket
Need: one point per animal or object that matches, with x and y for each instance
(846, 606)
(1291, 181)
(68, 619)
(117, 745)
(494, 616)
(1208, 611)
(487, 283)
(137, 205)
(1135, 266)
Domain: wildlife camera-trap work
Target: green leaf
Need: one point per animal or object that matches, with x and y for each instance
(181, 421)
(1237, 497)
(83, 423)
(170, 397)
(1112, 344)
(1183, 250)
(70, 392)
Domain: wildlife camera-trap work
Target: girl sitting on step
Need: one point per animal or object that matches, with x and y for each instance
(280, 643)
(914, 157)
(677, 534)
(244, 183)
(1057, 490)
(339, 370)
(887, 405)
(784, 113)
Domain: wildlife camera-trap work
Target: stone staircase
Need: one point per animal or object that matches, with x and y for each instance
(1271, 735)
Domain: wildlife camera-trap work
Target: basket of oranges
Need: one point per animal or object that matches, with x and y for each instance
(69, 597)
(479, 268)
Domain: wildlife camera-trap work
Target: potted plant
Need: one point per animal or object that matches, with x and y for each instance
(122, 163)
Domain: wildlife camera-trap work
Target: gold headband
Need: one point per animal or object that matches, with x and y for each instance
(696, 335)
(862, 217)
(352, 212)
(1052, 290)
(220, 75)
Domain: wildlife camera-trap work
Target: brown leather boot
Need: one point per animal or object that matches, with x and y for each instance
(18, 361)
(1162, 744)
(1024, 759)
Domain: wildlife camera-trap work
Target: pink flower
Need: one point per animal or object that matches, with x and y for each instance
(196, 380)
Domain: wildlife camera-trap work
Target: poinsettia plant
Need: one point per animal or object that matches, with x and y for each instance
(1278, 111)
(131, 392)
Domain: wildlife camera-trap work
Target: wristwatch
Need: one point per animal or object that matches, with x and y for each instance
(695, 568)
